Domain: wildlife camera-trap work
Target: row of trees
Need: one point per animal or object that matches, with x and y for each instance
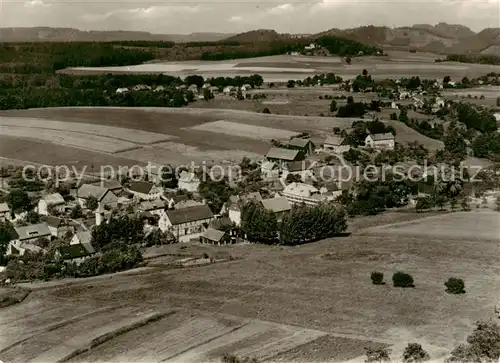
(302, 224)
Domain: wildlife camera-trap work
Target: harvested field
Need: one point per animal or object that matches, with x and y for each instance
(253, 132)
(14, 151)
(454, 225)
(69, 138)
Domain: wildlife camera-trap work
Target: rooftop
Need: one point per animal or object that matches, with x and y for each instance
(276, 205)
(335, 140)
(141, 187)
(88, 190)
(380, 137)
(54, 199)
(213, 235)
(32, 231)
(189, 214)
(4, 208)
(301, 189)
(52, 221)
(73, 251)
(299, 142)
(282, 154)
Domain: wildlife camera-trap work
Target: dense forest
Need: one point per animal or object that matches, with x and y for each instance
(346, 47)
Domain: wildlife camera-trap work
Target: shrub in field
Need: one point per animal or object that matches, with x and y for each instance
(377, 355)
(401, 279)
(377, 278)
(455, 286)
(231, 358)
(415, 353)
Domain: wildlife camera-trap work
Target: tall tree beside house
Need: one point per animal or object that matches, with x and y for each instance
(258, 224)
(76, 212)
(121, 229)
(216, 193)
(91, 203)
(18, 200)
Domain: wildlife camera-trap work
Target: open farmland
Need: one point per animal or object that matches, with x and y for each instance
(284, 67)
(261, 305)
(253, 132)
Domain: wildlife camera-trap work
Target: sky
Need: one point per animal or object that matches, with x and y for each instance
(183, 17)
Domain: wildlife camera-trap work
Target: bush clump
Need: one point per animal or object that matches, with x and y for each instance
(377, 278)
(415, 353)
(401, 279)
(377, 355)
(455, 286)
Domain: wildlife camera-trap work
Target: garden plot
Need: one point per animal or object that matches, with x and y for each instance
(138, 136)
(69, 138)
(249, 131)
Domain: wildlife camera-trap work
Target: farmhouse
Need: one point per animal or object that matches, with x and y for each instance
(306, 146)
(188, 181)
(337, 144)
(4, 210)
(186, 223)
(156, 206)
(235, 205)
(83, 238)
(298, 193)
(104, 196)
(187, 203)
(26, 239)
(54, 224)
(214, 236)
(145, 191)
(381, 141)
(172, 201)
(282, 155)
(269, 170)
(53, 201)
(75, 253)
(111, 184)
(299, 168)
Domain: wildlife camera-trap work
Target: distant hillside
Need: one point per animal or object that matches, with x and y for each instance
(260, 35)
(48, 34)
(440, 38)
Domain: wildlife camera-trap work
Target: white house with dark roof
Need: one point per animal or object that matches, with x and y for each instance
(299, 168)
(336, 144)
(188, 181)
(4, 211)
(143, 190)
(186, 223)
(55, 201)
(385, 141)
(26, 239)
(298, 193)
(235, 205)
(104, 196)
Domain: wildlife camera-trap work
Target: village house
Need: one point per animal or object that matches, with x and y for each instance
(193, 88)
(337, 144)
(27, 238)
(298, 193)
(54, 201)
(113, 185)
(306, 146)
(215, 237)
(229, 90)
(234, 206)
(155, 207)
(384, 141)
(54, 224)
(187, 203)
(173, 200)
(105, 197)
(74, 253)
(281, 155)
(299, 168)
(188, 181)
(143, 190)
(83, 238)
(278, 205)
(269, 170)
(186, 223)
(4, 211)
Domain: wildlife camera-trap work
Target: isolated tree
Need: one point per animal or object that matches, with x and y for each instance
(415, 353)
(498, 101)
(377, 355)
(91, 203)
(377, 278)
(350, 100)
(290, 83)
(401, 279)
(483, 345)
(348, 60)
(446, 79)
(207, 94)
(231, 358)
(18, 200)
(333, 106)
(76, 212)
(365, 72)
(498, 204)
(266, 110)
(455, 286)
(239, 95)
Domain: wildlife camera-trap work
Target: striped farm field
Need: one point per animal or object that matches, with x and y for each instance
(69, 138)
(249, 131)
(137, 136)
